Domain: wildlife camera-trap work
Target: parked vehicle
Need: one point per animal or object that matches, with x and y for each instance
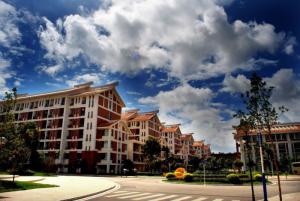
(296, 167)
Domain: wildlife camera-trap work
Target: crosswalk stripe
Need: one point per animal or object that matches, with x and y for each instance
(217, 199)
(150, 196)
(164, 198)
(133, 196)
(182, 198)
(200, 199)
(120, 194)
(235, 200)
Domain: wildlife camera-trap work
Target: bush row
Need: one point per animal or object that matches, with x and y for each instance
(231, 178)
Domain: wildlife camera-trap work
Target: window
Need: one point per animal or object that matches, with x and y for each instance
(83, 101)
(62, 101)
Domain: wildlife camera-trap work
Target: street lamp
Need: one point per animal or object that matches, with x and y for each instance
(262, 165)
(245, 142)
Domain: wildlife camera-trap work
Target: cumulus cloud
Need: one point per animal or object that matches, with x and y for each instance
(190, 41)
(286, 93)
(88, 77)
(290, 45)
(239, 84)
(9, 32)
(5, 74)
(198, 113)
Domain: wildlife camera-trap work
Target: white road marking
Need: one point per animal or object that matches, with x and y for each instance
(235, 200)
(150, 196)
(121, 194)
(217, 199)
(182, 198)
(164, 198)
(117, 186)
(132, 196)
(200, 199)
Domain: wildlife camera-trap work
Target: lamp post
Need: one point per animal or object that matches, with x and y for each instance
(250, 163)
(262, 166)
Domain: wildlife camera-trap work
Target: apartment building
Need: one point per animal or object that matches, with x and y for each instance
(83, 129)
(198, 148)
(142, 125)
(187, 149)
(172, 135)
(286, 137)
(80, 128)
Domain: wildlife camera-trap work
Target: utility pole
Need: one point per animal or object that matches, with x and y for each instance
(262, 166)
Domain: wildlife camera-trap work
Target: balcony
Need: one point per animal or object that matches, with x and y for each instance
(106, 149)
(104, 162)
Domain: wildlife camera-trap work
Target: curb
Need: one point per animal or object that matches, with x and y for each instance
(93, 194)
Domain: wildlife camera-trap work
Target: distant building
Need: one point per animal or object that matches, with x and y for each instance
(286, 137)
(142, 125)
(187, 150)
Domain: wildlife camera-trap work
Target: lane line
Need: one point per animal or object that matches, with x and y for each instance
(133, 196)
(217, 199)
(164, 198)
(120, 194)
(200, 199)
(182, 198)
(150, 196)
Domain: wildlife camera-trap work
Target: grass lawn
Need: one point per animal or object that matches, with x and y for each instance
(44, 174)
(210, 182)
(6, 186)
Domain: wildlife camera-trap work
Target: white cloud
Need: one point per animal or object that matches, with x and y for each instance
(195, 109)
(5, 74)
(239, 84)
(9, 32)
(290, 45)
(286, 93)
(191, 40)
(88, 77)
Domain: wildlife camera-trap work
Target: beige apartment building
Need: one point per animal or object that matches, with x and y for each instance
(83, 129)
(285, 136)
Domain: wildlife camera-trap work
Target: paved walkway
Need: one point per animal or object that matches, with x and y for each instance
(70, 187)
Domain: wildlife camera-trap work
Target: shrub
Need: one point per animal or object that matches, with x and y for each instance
(170, 176)
(258, 177)
(179, 175)
(188, 177)
(233, 178)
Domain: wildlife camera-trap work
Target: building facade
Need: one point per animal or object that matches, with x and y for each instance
(83, 129)
(285, 136)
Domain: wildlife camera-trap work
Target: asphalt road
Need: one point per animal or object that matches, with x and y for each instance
(153, 188)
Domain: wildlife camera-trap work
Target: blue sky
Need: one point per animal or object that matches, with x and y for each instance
(190, 61)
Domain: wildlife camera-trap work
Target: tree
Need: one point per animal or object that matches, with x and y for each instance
(260, 114)
(194, 162)
(238, 164)
(151, 150)
(21, 140)
(14, 153)
(31, 135)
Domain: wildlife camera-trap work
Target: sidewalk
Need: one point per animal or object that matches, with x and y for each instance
(70, 187)
(284, 178)
(286, 197)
